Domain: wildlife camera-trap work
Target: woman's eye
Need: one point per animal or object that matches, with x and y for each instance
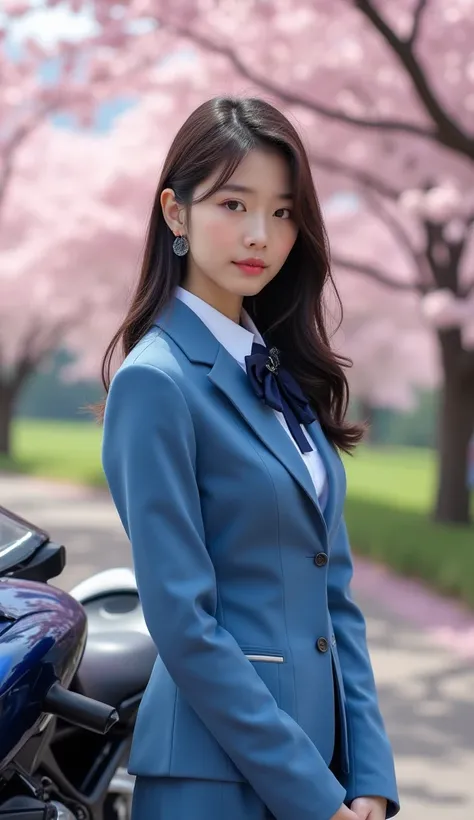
(232, 202)
(233, 205)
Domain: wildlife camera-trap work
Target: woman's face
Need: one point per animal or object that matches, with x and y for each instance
(250, 217)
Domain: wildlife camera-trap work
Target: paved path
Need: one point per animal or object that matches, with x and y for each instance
(422, 648)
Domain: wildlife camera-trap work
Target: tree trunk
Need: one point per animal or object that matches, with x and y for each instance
(7, 403)
(367, 415)
(456, 426)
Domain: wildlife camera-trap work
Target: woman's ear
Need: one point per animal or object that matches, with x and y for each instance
(174, 214)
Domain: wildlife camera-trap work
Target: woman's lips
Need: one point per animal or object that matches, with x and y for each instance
(250, 270)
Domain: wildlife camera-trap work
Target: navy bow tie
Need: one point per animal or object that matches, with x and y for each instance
(276, 387)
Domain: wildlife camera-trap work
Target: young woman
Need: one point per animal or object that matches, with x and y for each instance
(222, 432)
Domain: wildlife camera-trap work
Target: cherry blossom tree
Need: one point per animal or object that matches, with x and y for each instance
(27, 102)
(45, 214)
(393, 351)
(70, 239)
(429, 258)
(385, 94)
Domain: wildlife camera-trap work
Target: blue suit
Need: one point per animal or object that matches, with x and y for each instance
(244, 583)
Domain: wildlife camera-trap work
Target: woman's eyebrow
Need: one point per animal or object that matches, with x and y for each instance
(244, 189)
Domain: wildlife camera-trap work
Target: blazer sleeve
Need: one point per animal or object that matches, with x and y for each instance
(372, 766)
(149, 458)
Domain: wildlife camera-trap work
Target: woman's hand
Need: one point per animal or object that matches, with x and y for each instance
(369, 808)
(345, 814)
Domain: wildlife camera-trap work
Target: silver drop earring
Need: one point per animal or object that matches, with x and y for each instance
(181, 246)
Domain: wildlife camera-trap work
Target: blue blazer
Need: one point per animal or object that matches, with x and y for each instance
(244, 583)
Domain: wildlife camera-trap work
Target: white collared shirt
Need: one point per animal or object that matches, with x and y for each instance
(238, 341)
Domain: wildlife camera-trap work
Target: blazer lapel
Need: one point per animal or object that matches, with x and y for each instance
(200, 346)
(330, 460)
(229, 377)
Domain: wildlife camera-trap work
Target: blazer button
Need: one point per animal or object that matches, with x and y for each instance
(321, 559)
(322, 644)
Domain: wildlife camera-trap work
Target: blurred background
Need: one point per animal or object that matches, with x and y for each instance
(382, 93)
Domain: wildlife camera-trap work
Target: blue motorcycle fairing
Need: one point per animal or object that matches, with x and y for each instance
(42, 638)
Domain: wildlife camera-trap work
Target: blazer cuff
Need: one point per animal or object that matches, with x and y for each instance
(391, 796)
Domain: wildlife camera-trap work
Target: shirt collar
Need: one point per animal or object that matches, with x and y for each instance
(237, 339)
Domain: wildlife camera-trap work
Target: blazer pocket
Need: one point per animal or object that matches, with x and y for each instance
(267, 663)
(259, 656)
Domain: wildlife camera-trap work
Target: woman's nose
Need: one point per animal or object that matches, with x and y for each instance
(257, 234)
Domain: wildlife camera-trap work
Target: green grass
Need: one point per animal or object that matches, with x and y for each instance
(390, 491)
(66, 451)
(404, 475)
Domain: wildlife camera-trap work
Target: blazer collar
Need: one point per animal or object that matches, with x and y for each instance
(238, 339)
(200, 346)
(189, 332)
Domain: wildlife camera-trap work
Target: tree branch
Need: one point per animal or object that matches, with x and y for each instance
(36, 345)
(380, 210)
(18, 138)
(448, 133)
(361, 177)
(291, 98)
(417, 17)
(370, 186)
(374, 273)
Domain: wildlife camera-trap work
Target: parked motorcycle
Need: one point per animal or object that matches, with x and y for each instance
(73, 668)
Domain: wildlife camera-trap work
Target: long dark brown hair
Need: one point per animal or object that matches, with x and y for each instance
(290, 310)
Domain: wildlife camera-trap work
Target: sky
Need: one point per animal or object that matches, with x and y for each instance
(47, 25)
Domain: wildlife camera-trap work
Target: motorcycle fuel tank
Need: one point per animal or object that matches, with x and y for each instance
(42, 638)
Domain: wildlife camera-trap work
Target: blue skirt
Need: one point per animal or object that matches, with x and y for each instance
(175, 798)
